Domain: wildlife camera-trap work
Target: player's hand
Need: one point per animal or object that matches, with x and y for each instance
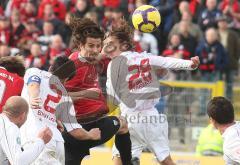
(60, 126)
(45, 134)
(35, 103)
(195, 62)
(95, 134)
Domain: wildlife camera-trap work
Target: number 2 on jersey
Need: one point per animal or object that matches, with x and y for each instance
(53, 99)
(2, 89)
(141, 76)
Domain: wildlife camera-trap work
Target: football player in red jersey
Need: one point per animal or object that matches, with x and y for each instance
(11, 83)
(91, 109)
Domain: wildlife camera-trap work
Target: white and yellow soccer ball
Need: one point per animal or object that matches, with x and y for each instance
(146, 18)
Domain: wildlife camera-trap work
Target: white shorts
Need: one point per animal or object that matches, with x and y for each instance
(148, 129)
(52, 154)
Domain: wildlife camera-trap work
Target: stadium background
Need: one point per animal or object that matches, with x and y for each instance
(38, 29)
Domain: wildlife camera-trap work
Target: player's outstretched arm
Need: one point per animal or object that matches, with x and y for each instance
(82, 134)
(174, 63)
(92, 93)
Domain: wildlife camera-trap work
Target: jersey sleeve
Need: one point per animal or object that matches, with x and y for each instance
(11, 146)
(170, 63)
(65, 111)
(32, 75)
(112, 83)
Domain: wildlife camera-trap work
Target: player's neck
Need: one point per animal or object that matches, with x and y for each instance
(222, 128)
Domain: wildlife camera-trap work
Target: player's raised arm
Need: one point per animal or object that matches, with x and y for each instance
(174, 63)
(92, 93)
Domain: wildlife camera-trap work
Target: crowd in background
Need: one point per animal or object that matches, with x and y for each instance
(39, 30)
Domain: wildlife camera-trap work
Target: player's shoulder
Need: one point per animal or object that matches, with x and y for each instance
(74, 55)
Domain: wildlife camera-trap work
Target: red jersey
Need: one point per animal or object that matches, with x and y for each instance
(86, 77)
(10, 85)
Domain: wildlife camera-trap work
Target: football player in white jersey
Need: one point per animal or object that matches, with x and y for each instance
(14, 115)
(221, 114)
(49, 102)
(132, 82)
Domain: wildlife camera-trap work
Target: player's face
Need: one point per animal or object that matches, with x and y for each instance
(111, 47)
(92, 47)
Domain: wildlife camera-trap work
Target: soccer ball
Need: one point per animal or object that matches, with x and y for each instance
(146, 18)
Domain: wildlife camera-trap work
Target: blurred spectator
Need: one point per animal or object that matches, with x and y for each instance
(92, 15)
(58, 7)
(188, 41)
(183, 7)
(48, 15)
(166, 8)
(4, 50)
(230, 41)
(1, 11)
(31, 30)
(176, 49)
(57, 47)
(17, 28)
(213, 60)
(117, 14)
(196, 7)
(231, 8)
(47, 35)
(212, 55)
(99, 9)
(4, 30)
(36, 58)
(210, 142)
(81, 8)
(65, 30)
(208, 17)
(194, 29)
(147, 42)
(29, 11)
(14, 4)
(108, 18)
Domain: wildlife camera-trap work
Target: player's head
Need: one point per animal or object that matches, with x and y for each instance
(63, 68)
(88, 36)
(16, 108)
(220, 110)
(13, 64)
(119, 39)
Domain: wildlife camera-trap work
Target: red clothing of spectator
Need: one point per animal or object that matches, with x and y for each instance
(18, 4)
(234, 5)
(55, 53)
(5, 36)
(58, 8)
(30, 61)
(1, 11)
(193, 4)
(111, 3)
(170, 51)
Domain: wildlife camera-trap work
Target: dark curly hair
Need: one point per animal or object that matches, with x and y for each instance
(13, 64)
(83, 28)
(123, 32)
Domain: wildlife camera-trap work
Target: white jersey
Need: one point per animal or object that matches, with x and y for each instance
(132, 80)
(231, 144)
(55, 103)
(10, 145)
